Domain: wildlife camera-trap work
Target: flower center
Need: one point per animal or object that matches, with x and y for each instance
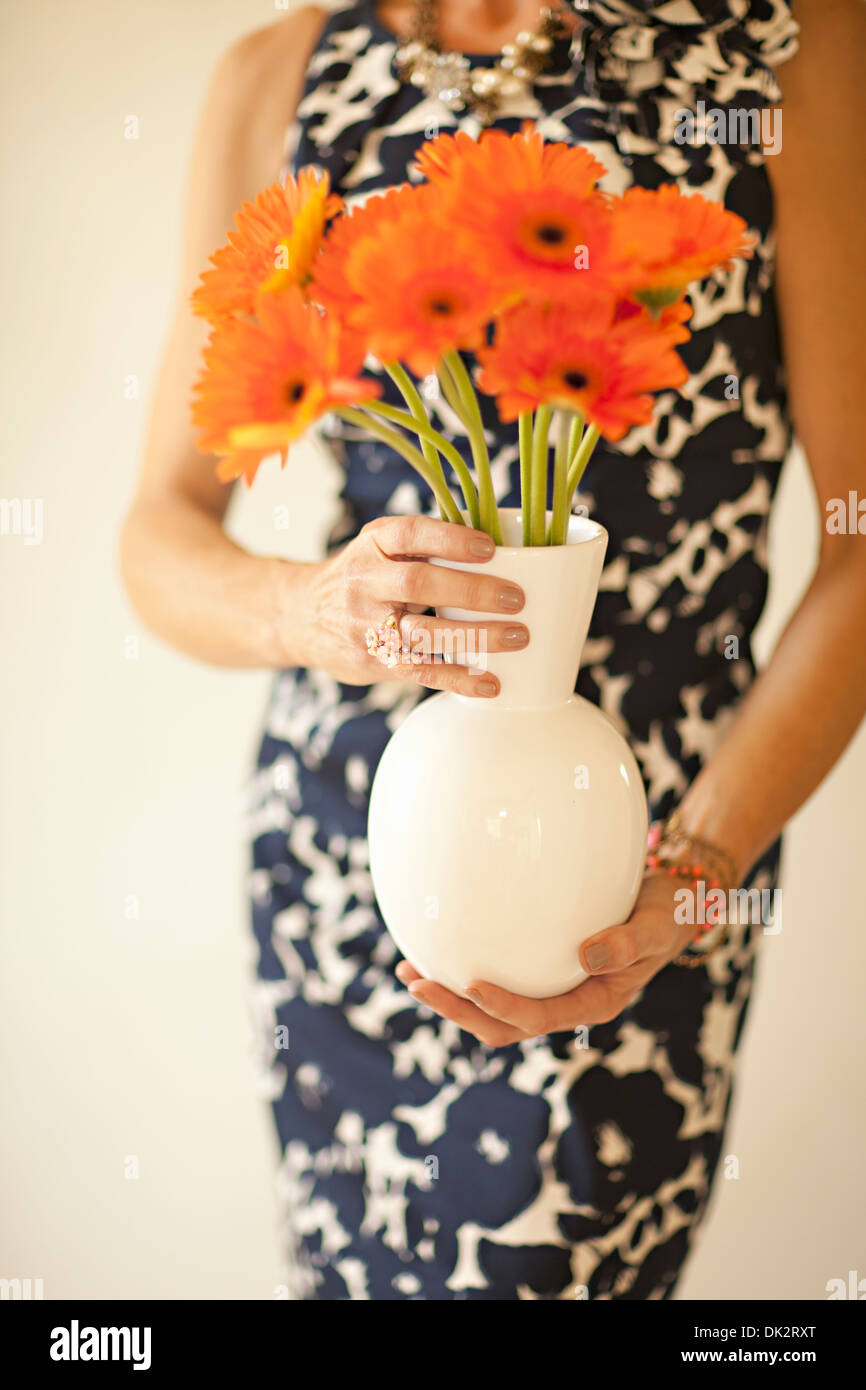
(294, 391)
(576, 380)
(550, 234)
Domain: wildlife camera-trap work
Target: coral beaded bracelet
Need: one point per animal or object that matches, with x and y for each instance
(715, 868)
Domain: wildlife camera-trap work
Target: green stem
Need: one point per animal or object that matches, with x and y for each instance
(432, 476)
(539, 474)
(475, 429)
(558, 528)
(449, 390)
(406, 386)
(575, 434)
(427, 434)
(524, 426)
(579, 462)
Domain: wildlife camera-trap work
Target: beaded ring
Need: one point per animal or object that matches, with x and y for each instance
(385, 642)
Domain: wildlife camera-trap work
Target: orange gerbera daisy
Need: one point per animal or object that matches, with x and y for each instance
(665, 239)
(548, 355)
(265, 382)
(333, 284)
(450, 158)
(531, 208)
(277, 240)
(403, 281)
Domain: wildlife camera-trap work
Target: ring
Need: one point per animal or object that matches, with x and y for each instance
(385, 643)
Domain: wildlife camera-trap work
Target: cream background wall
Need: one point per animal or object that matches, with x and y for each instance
(126, 1037)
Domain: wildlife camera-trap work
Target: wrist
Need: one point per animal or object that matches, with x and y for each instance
(289, 626)
(702, 814)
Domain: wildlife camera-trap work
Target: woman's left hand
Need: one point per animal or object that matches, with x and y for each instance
(619, 961)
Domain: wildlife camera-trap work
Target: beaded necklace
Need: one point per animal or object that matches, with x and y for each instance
(450, 76)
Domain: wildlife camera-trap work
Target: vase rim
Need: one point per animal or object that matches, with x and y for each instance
(593, 532)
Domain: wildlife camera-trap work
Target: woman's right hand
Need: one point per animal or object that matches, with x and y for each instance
(385, 569)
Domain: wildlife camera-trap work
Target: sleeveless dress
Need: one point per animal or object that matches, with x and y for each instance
(416, 1162)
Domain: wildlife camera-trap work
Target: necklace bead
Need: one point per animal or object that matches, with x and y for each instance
(448, 76)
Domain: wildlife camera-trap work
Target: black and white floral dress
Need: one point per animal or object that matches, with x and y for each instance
(417, 1163)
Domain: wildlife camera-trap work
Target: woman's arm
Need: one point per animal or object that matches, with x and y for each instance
(805, 706)
(187, 580)
(189, 583)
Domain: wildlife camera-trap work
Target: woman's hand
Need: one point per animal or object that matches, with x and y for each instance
(385, 568)
(619, 960)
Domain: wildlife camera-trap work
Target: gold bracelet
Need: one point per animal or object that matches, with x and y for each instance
(674, 836)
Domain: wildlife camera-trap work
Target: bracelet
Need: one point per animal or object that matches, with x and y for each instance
(713, 867)
(672, 835)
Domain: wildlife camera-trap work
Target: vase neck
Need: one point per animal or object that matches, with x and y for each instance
(560, 583)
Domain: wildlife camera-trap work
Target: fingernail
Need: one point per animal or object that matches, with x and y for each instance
(482, 546)
(511, 599)
(515, 637)
(487, 688)
(597, 957)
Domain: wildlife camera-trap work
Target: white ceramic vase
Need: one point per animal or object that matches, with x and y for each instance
(504, 832)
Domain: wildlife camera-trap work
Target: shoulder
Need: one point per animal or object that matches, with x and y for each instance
(276, 51)
(254, 92)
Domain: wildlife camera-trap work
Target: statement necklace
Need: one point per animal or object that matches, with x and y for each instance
(450, 76)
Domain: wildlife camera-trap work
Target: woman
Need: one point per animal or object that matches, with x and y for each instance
(435, 1148)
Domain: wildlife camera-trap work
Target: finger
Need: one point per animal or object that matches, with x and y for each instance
(403, 582)
(443, 637)
(406, 973)
(534, 1017)
(602, 999)
(594, 1001)
(399, 536)
(648, 932)
(442, 675)
(463, 1013)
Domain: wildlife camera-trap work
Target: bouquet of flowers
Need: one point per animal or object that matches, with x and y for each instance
(571, 299)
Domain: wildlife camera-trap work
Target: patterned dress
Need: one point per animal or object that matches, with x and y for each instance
(416, 1162)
